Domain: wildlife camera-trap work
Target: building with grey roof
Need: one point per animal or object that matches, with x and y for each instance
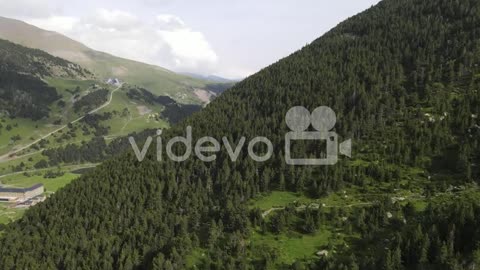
(13, 194)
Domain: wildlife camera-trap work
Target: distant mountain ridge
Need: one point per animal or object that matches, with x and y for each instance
(211, 78)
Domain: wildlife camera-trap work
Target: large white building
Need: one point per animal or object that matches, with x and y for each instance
(11, 194)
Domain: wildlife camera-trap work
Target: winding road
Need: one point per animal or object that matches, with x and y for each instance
(9, 155)
(70, 167)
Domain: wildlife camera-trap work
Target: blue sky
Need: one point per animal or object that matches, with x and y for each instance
(228, 38)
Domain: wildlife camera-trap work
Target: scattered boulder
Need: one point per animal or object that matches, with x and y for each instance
(322, 253)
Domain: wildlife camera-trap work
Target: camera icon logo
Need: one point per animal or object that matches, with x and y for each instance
(323, 119)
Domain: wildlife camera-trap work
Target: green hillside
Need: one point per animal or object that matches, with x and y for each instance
(41, 93)
(44, 104)
(404, 80)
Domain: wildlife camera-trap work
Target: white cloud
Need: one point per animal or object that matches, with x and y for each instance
(113, 19)
(165, 40)
(169, 22)
(191, 49)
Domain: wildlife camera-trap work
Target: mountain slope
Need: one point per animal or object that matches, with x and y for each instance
(16, 58)
(403, 78)
(158, 80)
(23, 93)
